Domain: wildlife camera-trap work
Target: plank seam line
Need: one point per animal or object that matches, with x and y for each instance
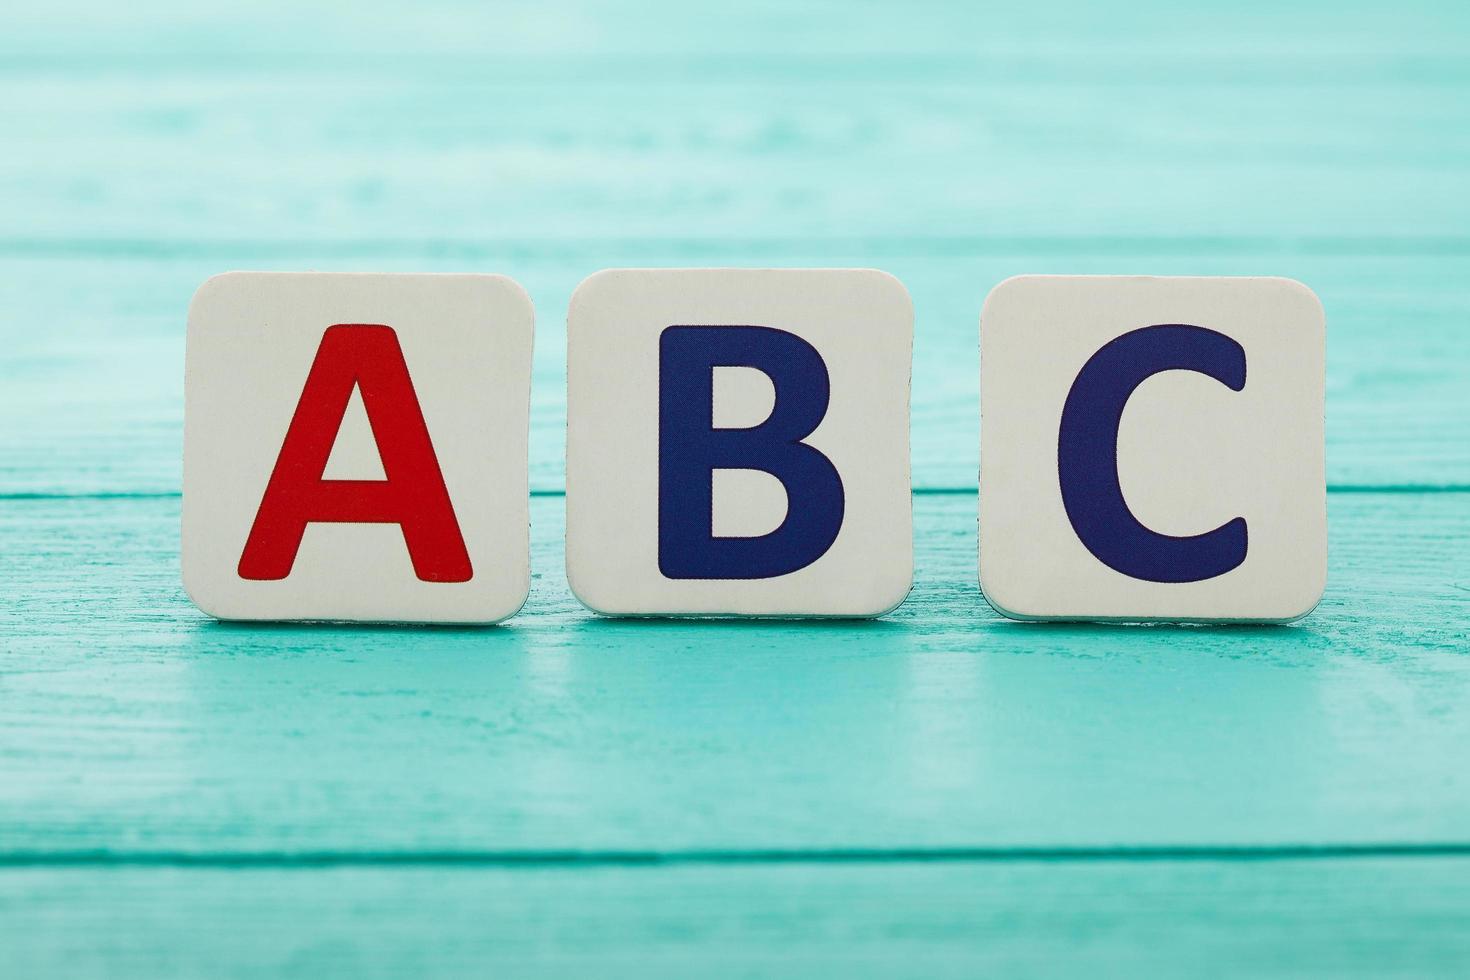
(876, 244)
(1333, 488)
(305, 860)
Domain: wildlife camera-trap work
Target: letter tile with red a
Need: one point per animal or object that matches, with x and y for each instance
(355, 447)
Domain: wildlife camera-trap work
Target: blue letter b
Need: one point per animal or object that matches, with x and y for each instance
(690, 449)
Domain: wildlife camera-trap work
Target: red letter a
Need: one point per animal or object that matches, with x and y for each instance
(413, 495)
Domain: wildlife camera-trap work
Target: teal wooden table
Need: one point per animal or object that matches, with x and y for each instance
(937, 793)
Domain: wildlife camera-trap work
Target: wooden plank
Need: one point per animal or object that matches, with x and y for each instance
(91, 396)
(129, 721)
(168, 35)
(768, 121)
(757, 157)
(1290, 918)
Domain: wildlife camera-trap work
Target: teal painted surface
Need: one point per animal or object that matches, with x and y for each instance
(1363, 918)
(135, 724)
(148, 146)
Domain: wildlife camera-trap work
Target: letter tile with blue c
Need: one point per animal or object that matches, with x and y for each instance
(1152, 449)
(738, 442)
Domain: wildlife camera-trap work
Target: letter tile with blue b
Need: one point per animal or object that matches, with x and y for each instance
(1152, 449)
(738, 442)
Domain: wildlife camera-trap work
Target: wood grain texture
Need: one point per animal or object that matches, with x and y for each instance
(1370, 918)
(94, 402)
(131, 722)
(511, 122)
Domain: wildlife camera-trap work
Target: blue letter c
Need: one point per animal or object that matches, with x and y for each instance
(1087, 454)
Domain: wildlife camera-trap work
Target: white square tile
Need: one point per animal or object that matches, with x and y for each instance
(1151, 449)
(400, 494)
(780, 483)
